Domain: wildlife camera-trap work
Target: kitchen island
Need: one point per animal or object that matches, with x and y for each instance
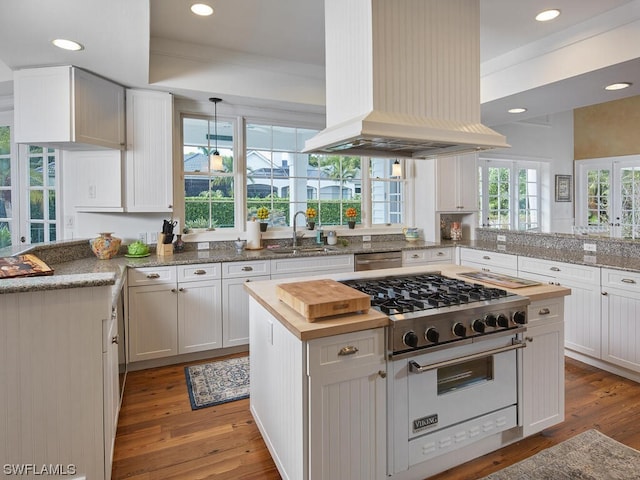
(330, 415)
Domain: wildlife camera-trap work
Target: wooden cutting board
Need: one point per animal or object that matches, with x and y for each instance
(317, 299)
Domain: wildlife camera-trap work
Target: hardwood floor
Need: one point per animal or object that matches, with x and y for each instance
(160, 437)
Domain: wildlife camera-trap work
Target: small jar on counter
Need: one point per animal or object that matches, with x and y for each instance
(456, 231)
(332, 238)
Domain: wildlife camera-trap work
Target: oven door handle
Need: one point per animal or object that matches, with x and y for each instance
(416, 368)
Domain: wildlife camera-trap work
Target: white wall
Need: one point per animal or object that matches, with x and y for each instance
(547, 140)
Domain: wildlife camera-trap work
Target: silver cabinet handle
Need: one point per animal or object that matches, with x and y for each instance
(181, 289)
(440, 254)
(247, 269)
(382, 373)
(173, 290)
(415, 255)
(153, 275)
(604, 294)
(554, 269)
(200, 272)
(528, 339)
(348, 350)
(544, 311)
(115, 339)
(628, 280)
(486, 257)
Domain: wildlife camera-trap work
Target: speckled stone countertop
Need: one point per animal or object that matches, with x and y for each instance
(75, 265)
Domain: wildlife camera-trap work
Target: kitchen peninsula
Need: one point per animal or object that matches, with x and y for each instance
(324, 393)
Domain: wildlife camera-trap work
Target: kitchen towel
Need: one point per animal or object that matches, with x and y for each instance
(253, 236)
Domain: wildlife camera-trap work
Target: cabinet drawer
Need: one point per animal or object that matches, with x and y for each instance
(151, 275)
(545, 311)
(292, 267)
(561, 271)
(629, 281)
(490, 259)
(246, 269)
(200, 271)
(429, 255)
(348, 350)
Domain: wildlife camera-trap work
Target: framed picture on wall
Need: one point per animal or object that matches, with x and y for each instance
(563, 188)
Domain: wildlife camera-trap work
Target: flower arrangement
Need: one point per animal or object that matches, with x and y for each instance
(311, 212)
(351, 213)
(263, 213)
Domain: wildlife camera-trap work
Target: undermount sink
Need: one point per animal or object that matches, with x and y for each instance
(293, 251)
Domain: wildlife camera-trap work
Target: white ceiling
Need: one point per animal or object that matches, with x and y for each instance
(137, 42)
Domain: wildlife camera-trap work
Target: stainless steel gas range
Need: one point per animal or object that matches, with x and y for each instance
(453, 369)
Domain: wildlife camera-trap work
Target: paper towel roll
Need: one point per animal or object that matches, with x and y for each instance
(253, 236)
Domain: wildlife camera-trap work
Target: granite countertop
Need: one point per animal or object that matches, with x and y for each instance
(265, 293)
(593, 259)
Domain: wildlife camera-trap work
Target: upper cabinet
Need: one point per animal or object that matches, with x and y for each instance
(69, 108)
(457, 183)
(149, 165)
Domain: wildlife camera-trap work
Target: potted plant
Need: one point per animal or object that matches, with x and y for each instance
(311, 218)
(263, 215)
(351, 214)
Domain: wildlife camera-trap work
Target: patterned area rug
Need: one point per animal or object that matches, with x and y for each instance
(217, 382)
(590, 455)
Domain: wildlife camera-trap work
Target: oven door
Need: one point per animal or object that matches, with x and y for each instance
(461, 384)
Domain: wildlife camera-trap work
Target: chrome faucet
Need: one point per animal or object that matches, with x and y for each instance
(295, 236)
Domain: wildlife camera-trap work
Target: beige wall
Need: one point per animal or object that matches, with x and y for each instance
(608, 129)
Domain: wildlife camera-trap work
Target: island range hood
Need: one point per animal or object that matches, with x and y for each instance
(403, 79)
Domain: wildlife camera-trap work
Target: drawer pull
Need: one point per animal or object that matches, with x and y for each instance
(153, 275)
(247, 269)
(440, 254)
(544, 311)
(382, 373)
(348, 350)
(173, 290)
(486, 257)
(604, 294)
(181, 289)
(528, 339)
(554, 269)
(628, 280)
(200, 272)
(415, 255)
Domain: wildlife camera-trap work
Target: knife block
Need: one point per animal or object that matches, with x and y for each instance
(163, 249)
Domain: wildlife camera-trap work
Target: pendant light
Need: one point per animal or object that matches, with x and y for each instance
(215, 160)
(396, 169)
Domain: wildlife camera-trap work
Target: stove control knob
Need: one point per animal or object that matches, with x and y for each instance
(432, 335)
(410, 339)
(459, 330)
(478, 326)
(503, 320)
(490, 319)
(520, 318)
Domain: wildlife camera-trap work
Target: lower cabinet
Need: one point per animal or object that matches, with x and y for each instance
(174, 310)
(620, 318)
(414, 258)
(496, 262)
(543, 366)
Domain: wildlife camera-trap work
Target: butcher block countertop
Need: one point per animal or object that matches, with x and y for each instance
(265, 293)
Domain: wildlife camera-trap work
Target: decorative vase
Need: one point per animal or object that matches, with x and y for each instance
(263, 227)
(311, 225)
(178, 246)
(352, 224)
(456, 231)
(105, 246)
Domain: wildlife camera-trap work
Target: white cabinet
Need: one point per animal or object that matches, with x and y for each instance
(457, 183)
(174, 310)
(504, 263)
(581, 309)
(149, 156)
(111, 388)
(413, 258)
(347, 406)
(543, 366)
(321, 414)
(66, 107)
(96, 180)
(621, 318)
(308, 266)
(235, 299)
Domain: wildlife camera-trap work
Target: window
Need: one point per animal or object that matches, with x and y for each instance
(509, 194)
(6, 210)
(41, 187)
(608, 196)
(274, 174)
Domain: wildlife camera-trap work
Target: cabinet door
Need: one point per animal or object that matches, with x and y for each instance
(621, 328)
(347, 407)
(457, 184)
(199, 316)
(543, 370)
(96, 184)
(153, 324)
(582, 318)
(111, 388)
(149, 169)
(235, 312)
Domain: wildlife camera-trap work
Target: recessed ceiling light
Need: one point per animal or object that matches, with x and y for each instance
(202, 9)
(547, 15)
(67, 44)
(618, 86)
(517, 110)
